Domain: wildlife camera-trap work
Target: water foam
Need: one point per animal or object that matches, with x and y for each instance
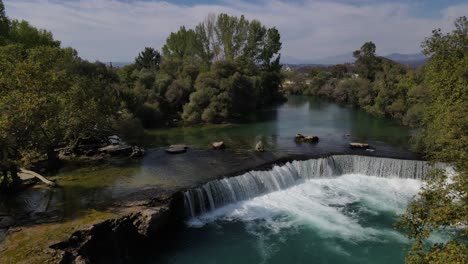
(325, 205)
(218, 193)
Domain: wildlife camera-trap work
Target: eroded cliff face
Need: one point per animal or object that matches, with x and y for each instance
(123, 239)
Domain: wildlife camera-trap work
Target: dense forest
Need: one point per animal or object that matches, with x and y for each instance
(220, 71)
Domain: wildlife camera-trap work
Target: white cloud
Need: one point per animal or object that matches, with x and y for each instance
(112, 30)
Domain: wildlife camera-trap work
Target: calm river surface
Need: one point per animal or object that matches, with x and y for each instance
(276, 126)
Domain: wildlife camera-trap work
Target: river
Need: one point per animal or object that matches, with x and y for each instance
(346, 219)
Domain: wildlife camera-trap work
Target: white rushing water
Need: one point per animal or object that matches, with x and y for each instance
(325, 205)
(218, 193)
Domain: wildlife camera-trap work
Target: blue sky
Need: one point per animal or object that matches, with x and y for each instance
(116, 30)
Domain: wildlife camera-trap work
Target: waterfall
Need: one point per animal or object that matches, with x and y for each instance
(217, 193)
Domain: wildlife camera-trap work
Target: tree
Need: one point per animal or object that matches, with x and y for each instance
(366, 62)
(21, 32)
(149, 58)
(4, 24)
(223, 45)
(443, 203)
(50, 96)
(339, 71)
(182, 45)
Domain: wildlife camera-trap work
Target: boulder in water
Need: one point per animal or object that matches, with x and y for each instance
(359, 145)
(300, 138)
(115, 150)
(259, 147)
(177, 149)
(218, 145)
(137, 152)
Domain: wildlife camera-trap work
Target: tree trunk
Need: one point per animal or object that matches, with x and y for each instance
(4, 184)
(52, 160)
(15, 179)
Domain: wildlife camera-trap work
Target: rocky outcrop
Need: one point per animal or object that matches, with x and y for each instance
(120, 240)
(177, 149)
(259, 147)
(300, 138)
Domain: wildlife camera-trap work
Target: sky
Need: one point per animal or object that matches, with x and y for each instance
(116, 30)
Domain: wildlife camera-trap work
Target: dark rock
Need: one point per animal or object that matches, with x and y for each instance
(218, 145)
(310, 139)
(259, 147)
(114, 140)
(300, 138)
(119, 240)
(6, 221)
(137, 152)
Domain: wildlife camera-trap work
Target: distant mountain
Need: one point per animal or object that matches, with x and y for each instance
(118, 64)
(415, 59)
(338, 59)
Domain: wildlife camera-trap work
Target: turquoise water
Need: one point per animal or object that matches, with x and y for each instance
(276, 126)
(348, 219)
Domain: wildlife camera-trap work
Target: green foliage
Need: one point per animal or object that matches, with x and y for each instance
(443, 203)
(225, 37)
(339, 71)
(232, 61)
(22, 33)
(4, 25)
(50, 96)
(221, 94)
(447, 76)
(366, 62)
(149, 58)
